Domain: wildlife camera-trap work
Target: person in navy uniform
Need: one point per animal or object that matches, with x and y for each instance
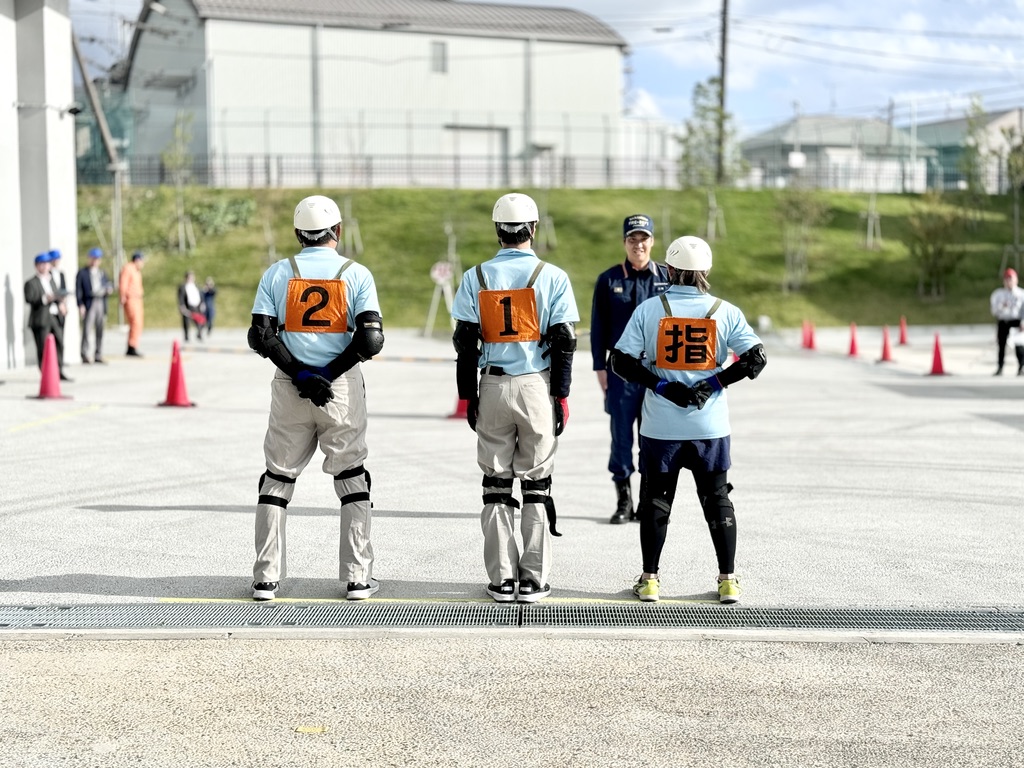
(617, 293)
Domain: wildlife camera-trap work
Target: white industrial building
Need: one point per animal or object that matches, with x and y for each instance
(357, 93)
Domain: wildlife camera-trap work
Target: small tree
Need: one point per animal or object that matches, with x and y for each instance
(936, 230)
(699, 150)
(177, 161)
(973, 163)
(800, 211)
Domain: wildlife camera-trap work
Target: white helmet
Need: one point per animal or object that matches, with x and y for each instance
(316, 214)
(515, 208)
(690, 253)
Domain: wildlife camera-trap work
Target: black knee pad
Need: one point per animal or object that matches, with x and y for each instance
(498, 490)
(275, 489)
(656, 495)
(539, 492)
(353, 485)
(715, 501)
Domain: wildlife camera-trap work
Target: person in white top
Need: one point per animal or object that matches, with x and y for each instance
(1007, 304)
(191, 306)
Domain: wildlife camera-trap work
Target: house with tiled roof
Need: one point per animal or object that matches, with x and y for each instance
(375, 93)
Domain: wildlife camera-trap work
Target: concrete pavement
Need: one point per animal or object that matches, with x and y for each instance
(857, 484)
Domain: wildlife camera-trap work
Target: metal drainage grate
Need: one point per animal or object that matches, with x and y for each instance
(205, 615)
(721, 617)
(418, 614)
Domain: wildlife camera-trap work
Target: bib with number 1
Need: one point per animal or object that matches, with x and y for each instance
(316, 306)
(508, 315)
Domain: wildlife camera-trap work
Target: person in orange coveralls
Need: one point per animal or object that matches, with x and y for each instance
(130, 290)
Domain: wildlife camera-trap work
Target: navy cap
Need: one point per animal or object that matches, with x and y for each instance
(95, 253)
(53, 255)
(42, 258)
(638, 222)
(137, 255)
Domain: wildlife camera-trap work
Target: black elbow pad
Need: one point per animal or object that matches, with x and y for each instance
(466, 338)
(629, 368)
(467, 348)
(368, 337)
(561, 341)
(262, 331)
(265, 342)
(755, 360)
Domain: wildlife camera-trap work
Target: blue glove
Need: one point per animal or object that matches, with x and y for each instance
(676, 392)
(313, 386)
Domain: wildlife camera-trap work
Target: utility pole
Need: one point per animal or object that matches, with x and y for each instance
(116, 165)
(720, 160)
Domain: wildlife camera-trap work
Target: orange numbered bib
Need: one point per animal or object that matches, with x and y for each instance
(316, 306)
(507, 316)
(687, 344)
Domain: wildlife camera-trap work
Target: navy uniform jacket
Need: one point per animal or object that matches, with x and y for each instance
(617, 293)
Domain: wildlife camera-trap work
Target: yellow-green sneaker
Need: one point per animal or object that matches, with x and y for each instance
(729, 590)
(646, 589)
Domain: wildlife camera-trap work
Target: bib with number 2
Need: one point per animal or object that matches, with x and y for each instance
(316, 306)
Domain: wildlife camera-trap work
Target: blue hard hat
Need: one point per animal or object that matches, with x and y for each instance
(95, 253)
(53, 255)
(42, 258)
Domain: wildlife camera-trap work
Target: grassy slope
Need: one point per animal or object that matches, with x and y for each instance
(403, 234)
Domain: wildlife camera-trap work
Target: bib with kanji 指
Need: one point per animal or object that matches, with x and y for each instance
(687, 343)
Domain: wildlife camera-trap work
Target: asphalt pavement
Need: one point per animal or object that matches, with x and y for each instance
(858, 484)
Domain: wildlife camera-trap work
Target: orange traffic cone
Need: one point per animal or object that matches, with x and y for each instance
(937, 369)
(805, 340)
(176, 392)
(49, 384)
(853, 339)
(886, 349)
(903, 330)
(810, 336)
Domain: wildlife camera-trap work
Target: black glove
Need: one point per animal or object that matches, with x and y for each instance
(314, 387)
(561, 414)
(472, 411)
(702, 390)
(676, 392)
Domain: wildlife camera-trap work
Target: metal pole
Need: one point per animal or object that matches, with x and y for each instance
(720, 160)
(117, 234)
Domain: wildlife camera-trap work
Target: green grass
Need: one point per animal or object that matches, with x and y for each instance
(403, 234)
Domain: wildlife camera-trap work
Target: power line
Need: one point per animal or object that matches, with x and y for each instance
(760, 21)
(846, 64)
(885, 54)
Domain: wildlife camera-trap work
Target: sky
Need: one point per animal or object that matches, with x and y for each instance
(911, 60)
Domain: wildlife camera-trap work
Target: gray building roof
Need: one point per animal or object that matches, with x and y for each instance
(953, 133)
(833, 131)
(423, 16)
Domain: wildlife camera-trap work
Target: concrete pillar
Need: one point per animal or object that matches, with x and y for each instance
(46, 150)
(12, 275)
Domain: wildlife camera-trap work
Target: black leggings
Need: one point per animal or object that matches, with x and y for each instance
(657, 492)
(1002, 334)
